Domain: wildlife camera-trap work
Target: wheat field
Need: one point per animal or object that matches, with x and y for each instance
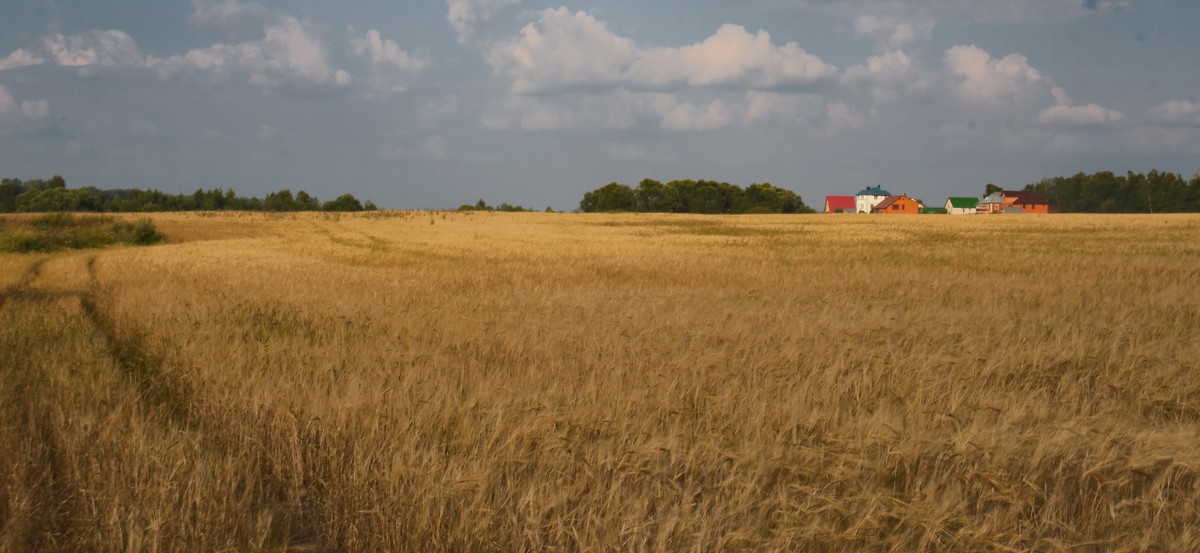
(423, 382)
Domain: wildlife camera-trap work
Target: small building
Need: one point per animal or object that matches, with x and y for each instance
(1026, 200)
(840, 204)
(992, 203)
(961, 206)
(868, 198)
(898, 205)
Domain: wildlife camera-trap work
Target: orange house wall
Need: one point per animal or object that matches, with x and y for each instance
(907, 207)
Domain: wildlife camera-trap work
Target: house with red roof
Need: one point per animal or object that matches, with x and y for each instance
(840, 204)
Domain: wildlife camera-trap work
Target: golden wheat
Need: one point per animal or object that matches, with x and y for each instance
(416, 381)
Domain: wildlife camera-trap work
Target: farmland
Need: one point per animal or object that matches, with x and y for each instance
(414, 381)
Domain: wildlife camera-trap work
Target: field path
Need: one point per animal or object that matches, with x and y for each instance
(60, 512)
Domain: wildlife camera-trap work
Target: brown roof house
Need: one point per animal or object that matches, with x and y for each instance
(1028, 202)
(898, 205)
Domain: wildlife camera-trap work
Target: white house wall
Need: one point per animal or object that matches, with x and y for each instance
(863, 204)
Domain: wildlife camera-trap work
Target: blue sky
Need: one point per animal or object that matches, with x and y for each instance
(437, 103)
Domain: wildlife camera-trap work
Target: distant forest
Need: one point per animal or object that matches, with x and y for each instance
(52, 195)
(691, 196)
(1105, 192)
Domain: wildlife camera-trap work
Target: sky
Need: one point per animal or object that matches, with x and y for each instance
(431, 104)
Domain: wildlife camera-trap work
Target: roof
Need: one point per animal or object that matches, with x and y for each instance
(1024, 197)
(844, 203)
(963, 203)
(873, 191)
(888, 201)
(993, 198)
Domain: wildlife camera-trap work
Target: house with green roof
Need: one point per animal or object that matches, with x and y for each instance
(961, 206)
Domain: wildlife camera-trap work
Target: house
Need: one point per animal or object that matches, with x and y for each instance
(898, 205)
(992, 203)
(840, 204)
(868, 198)
(1026, 200)
(961, 206)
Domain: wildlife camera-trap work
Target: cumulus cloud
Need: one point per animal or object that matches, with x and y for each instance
(394, 69)
(563, 51)
(575, 51)
(17, 114)
(290, 58)
(466, 16)
(980, 77)
(688, 117)
(1079, 116)
(891, 33)
(1175, 112)
(886, 78)
(786, 108)
(92, 48)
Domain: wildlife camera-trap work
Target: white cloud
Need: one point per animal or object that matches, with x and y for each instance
(886, 78)
(467, 15)
(689, 117)
(1175, 112)
(1079, 116)
(980, 77)
(290, 58)
(92, 48)
(842, 118)
(394, 69)
(891, 33)
(785, 108)
(20, 114)
(565, 51)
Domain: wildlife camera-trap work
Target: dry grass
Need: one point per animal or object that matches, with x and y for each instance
(542, 382)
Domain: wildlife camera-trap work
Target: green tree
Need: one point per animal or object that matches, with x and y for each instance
(345, 202)
(610, 197)
(989, 189)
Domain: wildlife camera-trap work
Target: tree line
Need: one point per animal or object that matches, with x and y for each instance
(1105, 192)
(52, 195)
(692, 196)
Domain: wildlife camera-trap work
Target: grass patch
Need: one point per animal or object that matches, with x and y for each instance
(62, 231)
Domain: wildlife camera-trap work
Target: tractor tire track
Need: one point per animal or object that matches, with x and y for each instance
(130, 357)
(21, 288)
(297, 523)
